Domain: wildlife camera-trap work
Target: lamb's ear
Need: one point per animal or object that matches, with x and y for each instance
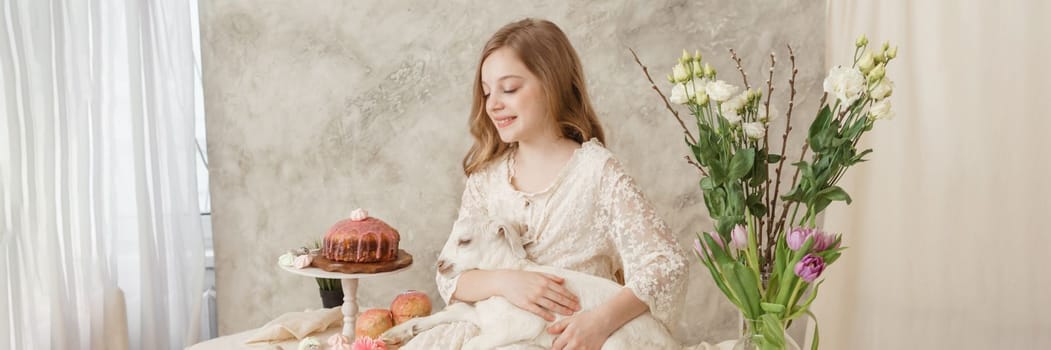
(513, 236)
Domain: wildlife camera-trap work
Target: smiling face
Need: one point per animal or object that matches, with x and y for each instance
(514, 99)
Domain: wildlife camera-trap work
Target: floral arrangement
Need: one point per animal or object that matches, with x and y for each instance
(776, 253)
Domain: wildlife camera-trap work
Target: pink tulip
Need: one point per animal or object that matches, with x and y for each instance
(718, 240)
(739, 237)
(698, 244)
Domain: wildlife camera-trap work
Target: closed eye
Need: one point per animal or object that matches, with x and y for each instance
(464, 242)
(510, 91)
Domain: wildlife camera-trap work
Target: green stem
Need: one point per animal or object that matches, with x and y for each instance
(792, 298)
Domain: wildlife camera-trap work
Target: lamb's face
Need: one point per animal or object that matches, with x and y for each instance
(479, 244)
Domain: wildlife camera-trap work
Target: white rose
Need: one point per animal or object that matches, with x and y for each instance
(754, 130)
(881, 110)
(678, 94)
(720, 91)
(883, 90)
(846, 84)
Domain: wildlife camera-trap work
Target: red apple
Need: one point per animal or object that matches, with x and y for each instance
(409, 305)
(372, 323)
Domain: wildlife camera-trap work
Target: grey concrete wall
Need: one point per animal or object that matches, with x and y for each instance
(319, 107)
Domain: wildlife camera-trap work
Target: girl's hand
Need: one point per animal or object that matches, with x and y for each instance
(584, 331)
(539, 293)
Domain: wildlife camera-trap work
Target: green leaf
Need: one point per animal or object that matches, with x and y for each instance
(717, 276)
(773, 332)
(821, 122)
(799, 310)
(817, 337)
(718, 172)
(724, 225)
(834, 193)
(718, 252)
(773, 158)
(749, 291)
(760, 171)
(741, 163)
(859, 157)
(820, 203)
(757, 209)
(707, 184)
(715, 199)
(773, 308)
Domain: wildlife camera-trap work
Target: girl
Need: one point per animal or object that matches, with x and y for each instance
(538, 159)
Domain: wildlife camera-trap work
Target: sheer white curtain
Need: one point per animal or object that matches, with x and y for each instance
(100, 231)
(947, 234)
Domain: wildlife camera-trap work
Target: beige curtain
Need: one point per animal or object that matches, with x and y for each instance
(948, 247)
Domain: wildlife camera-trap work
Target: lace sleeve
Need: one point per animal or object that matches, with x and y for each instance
(471, 204)
(654, 263)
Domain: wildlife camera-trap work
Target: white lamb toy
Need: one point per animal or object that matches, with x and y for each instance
(496, 244)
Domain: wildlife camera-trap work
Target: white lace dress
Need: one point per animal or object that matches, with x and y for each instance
(593, 218)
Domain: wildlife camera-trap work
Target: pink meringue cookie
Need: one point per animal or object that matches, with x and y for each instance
(366, 343)
(302, 261)
(359, 214)
(338, 342)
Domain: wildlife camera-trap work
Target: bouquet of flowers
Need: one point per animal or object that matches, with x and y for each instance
(767, 253)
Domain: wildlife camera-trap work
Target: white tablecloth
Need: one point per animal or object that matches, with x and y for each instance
(237, 341)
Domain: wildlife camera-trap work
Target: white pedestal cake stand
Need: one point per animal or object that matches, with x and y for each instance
(350, 290)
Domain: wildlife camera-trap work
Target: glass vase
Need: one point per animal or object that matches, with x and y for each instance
(756, 336)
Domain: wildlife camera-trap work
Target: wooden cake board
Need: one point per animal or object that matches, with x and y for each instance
(404, 259)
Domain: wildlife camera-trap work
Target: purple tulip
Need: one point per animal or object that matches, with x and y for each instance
(739, 237)
(697, 246)
(810, 268)
(823, 241)
(798, 236)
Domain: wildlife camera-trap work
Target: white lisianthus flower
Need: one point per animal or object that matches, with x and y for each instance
(881, 110)
(734, 104)
(754, 130)
(698, 69)
(866, 63)
(695, 90)
(846, 84)
(764, 117)
(680, 73)
(732, 117)
(678, 94)
(720, 91)
(883, 90)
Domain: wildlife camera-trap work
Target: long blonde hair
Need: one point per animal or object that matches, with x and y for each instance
(546, 52)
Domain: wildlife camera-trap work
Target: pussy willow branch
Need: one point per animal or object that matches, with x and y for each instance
(698, 166)
(667, 104)
(766, 145)
(784, 144)
(733, 54)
